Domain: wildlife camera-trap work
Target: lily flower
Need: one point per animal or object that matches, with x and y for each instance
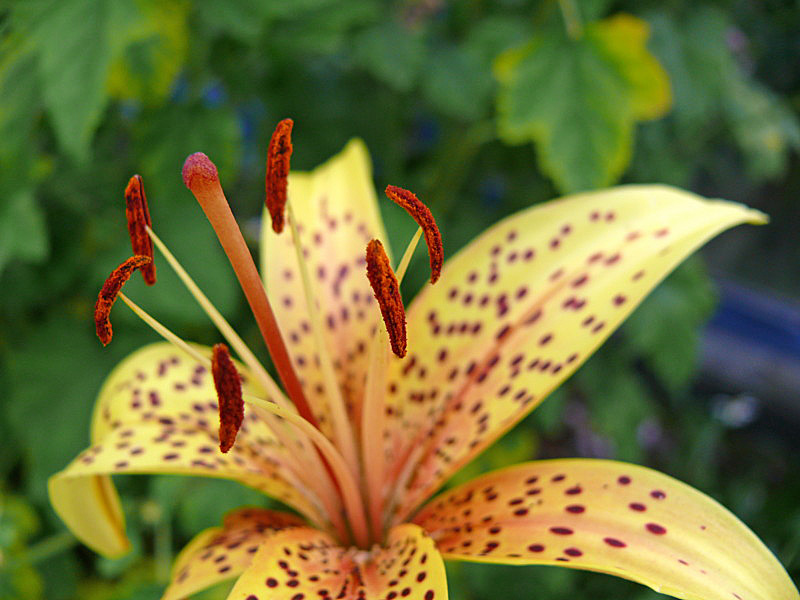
(358, 441)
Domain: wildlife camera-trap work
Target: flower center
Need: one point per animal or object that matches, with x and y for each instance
(345, 475)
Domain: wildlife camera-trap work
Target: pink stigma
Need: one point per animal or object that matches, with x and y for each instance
(198, 168)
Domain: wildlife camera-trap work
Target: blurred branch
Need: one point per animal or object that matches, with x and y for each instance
(572, 18)
(56, 544)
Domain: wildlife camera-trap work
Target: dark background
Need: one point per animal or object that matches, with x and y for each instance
(458, 102)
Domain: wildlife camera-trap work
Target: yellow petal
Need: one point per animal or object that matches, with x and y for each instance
(611, 517)
(519, 309)
(337, 213)
(303, 563)
(220, 553)
(157, 413)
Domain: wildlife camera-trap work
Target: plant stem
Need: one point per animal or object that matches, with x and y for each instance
(52, 546)
(572, 18)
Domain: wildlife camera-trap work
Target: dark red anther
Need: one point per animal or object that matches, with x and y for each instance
(109, 292)
(229, 392)
(138, 214)
(387, 293)
(422, 215)
(278, 155)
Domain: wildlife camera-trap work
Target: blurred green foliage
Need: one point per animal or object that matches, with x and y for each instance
(482, 107)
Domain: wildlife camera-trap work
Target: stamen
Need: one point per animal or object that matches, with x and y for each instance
(373, 415)
(311, 476)
(222, 325)
(200, 176)
(229, 392)
(351, 497)
(108, 295)
(422, 215)
(278, 155)
(138, 214)
(387, 293)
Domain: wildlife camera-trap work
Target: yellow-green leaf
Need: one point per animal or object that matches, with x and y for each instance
(153, 53)
(623, 39)
(577, 100)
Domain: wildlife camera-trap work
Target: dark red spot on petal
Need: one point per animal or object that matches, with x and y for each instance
(656, 528)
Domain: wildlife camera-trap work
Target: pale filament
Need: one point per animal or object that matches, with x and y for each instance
(236, 342)
(326, 497)
(374, 415)
(342, 430)
(349, 487)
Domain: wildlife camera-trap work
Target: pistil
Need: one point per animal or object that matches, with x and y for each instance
(200, 176)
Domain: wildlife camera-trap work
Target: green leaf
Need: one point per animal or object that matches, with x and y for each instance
(618, 401)
(23, 233)
(763, 125)
(494, 34)
(578, 99)
(243, 19)
(623, 38)
(19, 95)
(457, 83)
(154, 51)
(665, 328)
(77, 40)
(394, 54)
(55, 376)
(320, 27)
(568, 99)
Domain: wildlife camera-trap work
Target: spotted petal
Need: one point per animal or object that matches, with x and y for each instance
(610, 517)
(337, 213)
(518, 310)
(157, 413)
(220, 553)
(303, 563)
